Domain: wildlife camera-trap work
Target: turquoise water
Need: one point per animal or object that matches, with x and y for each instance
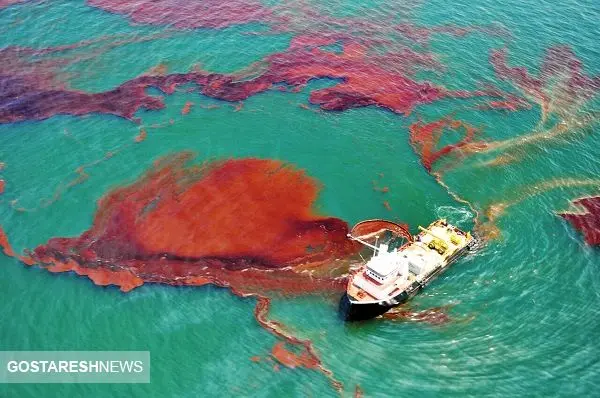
(524, 308)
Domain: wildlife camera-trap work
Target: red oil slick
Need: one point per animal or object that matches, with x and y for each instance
(425, 136)
(34, 83)
(30, 89)
(291, 359)
(588, 220)
(307, 357)
(362, 83)
(5, 245)
(198, 224)
(363, 80)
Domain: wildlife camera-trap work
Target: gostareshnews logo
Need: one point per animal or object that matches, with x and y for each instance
(74, 367)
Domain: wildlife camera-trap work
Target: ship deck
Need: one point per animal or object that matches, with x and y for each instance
(422, 253)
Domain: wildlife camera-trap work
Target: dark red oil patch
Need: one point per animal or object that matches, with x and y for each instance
(184, 14)
(200, 224)
(363, 81)
(30, 90)
(21, 100)
(33, 82)
(2, 184)
(588, 221)
(425, 136)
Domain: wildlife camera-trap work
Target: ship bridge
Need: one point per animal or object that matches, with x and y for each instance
(385, 265)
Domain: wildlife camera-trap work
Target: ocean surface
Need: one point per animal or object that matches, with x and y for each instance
(521, 316)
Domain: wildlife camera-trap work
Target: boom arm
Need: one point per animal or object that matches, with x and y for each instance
(363, 242)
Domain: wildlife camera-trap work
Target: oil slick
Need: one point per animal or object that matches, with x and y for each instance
(587, 219)
(425, 136)
(32, 96)
(174, 225)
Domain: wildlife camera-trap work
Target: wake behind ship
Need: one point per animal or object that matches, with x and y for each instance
(394, 275)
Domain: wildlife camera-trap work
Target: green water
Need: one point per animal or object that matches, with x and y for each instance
(525, 308)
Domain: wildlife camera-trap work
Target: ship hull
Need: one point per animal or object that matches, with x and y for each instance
(353, 311)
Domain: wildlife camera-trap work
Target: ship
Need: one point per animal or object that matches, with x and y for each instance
(401, 264)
